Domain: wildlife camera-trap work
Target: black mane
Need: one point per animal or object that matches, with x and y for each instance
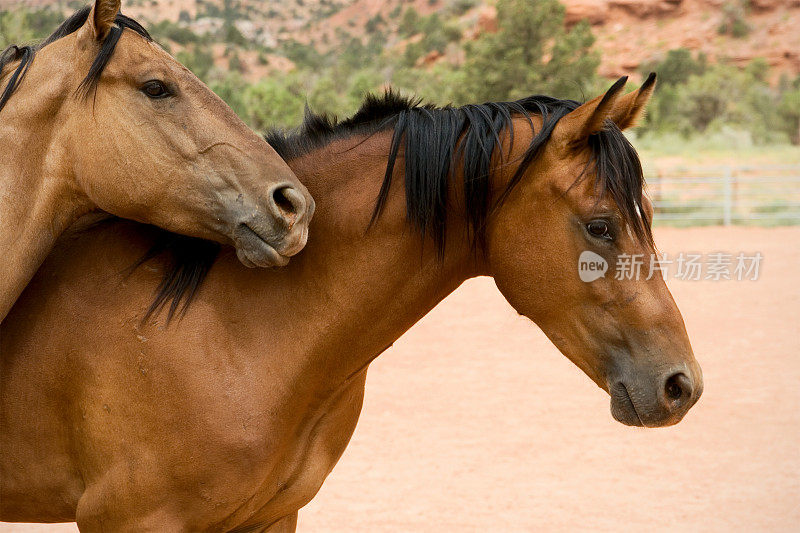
(377, 112)
(437, 142)
(26, 54)
(435, 139)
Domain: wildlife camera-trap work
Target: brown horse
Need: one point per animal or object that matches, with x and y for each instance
(99, 116)
(231, 418)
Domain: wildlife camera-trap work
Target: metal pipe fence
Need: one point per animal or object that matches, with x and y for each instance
(727, 195)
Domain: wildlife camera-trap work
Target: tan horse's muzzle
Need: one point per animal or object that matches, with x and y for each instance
(268, 238)
(640, 397)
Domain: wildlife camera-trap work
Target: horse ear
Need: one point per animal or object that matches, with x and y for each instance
(102, 16)
(589, 118)
(629, 108)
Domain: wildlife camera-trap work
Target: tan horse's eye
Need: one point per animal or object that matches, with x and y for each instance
(599, 229)
(155, 89)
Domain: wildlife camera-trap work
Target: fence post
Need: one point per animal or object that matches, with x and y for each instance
(657, 192)
(727, 196)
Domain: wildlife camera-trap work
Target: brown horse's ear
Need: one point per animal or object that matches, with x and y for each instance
(589, 118)
(102, 17)
(629, 108)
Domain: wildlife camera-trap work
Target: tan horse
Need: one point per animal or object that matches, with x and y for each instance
(231, 418)
(100, 116)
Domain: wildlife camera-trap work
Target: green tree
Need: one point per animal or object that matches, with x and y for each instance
(676, 68)
(274, 102)
(24, 25)
(722, 96)
(440, 84)
(14, 29)
(734, 22)
(361, 83)
(326, 95)
(789, 111)
(374, 23)
(198, 60)
(232, 35)
(174, 32)
(409, 24)
(531, 52)
(303, 55)
(235, 63)
(231, 87)
(667, 109)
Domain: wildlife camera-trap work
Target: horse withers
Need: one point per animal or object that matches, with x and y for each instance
(231, 418)
(100, 116)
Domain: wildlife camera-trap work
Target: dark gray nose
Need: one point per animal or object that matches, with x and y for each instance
(287, 204)
(678, 392)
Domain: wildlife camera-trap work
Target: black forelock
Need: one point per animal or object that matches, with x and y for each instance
(26, 54)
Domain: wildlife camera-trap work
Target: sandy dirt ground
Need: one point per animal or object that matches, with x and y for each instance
(474, 422)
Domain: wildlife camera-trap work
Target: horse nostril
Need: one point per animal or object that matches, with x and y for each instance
(678, 386)
(287, 203)
(674, 391)
(283, 203)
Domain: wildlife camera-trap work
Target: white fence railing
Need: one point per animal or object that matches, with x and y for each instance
(768, 195)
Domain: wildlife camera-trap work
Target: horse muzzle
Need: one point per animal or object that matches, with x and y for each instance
(646, 400)
(268, 238)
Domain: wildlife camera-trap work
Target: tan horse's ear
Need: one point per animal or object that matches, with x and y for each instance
(102, 17)
(629, 109)
(589, 118)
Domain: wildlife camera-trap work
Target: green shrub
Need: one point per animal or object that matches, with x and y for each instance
(693, 97)
(789, 110)
(459, 7)
(676, 67)
(230, 87)
(235, 63)
(24, 26)
(276, 101)
(409, 24)
(734, 21)
(197, 59)
(232, 35)
(174, 32)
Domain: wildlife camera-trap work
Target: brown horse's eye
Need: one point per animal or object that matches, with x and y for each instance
(599, 229)
(155, 89)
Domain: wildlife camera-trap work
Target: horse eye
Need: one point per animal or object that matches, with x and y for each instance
(155, 89)
(599, 229)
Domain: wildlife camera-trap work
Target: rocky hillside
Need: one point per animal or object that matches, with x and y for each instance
(629, 32)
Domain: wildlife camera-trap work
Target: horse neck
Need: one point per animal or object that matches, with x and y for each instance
(357, 291)
(38, 199)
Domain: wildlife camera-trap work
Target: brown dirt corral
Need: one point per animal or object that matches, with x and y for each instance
(474, 422)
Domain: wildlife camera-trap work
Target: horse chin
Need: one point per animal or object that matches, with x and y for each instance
(253, 250)
(294, 241)
(622, 407)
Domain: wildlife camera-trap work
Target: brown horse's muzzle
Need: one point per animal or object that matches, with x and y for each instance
(270, 237)
(652, 399)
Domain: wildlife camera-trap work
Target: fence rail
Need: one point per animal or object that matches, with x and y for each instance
(766, 195)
